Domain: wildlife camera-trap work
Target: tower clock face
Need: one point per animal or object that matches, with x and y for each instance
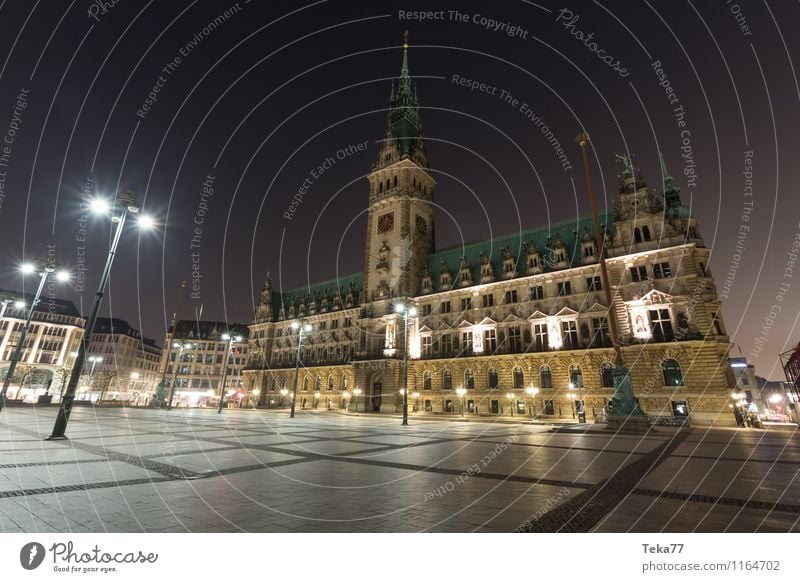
(386, 222)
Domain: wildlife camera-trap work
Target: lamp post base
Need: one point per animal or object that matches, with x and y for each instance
(56, 438)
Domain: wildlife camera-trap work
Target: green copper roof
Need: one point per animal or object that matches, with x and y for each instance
(317, 290)
(569, 232)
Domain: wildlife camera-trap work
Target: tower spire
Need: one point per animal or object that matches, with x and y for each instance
(672, 197)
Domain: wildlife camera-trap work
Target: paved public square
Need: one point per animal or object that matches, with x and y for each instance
(192, 470)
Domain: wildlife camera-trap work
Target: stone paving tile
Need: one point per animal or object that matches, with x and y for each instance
(382, 477)
(220, 460)
(729, 478)
(639, 514)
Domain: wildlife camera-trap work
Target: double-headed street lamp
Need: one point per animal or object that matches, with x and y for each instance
(47, 268)
(300, 327)
(125, 203)
(230, 339)
(461, 392)
(408, 310)
(532, 392)
(6, 302)
(181, 347)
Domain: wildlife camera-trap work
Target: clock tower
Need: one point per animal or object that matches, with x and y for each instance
(400, 227)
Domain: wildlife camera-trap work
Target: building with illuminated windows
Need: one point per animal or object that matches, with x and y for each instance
(520, 321)
(50, 344)
(121, 365)
(193, 360)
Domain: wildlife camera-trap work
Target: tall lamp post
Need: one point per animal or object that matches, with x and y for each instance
(300, 327)
(461, 392)
(5, 303)
(230, 339)
(284, 392)
(510, 396)
(416, 401)
(47, 268)
(407, 309)
(181, 347)
(532, 392)
(356, 394)
(125, 203)
(94, 360)
(623, 406)
(345, 396)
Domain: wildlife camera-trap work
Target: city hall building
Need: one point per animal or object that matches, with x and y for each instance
(520, 321)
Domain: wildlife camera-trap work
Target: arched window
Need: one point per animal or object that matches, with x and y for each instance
(395, 181)
(447, 380)
(317, 383)
(672, 372)
(545, 377)
(305, 384)
(637, 235)
(576, 376)
(469, 380)
(519, 378)
(491, 378)
(388, 184)
(330, 383)
(426, 380)
(345, 382)
(607, 375)
(646, 233)
(380, 187)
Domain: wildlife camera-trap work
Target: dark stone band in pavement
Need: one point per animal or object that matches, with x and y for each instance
(80, 487)
(582, 513)
(748, 503)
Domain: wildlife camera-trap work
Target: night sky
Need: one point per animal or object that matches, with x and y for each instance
(251, 105)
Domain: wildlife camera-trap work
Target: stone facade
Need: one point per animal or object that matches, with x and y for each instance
(520, 321)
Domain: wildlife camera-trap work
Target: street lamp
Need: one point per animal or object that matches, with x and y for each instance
(181, 347)
(416, 401)
(284, 392)
(461, 392)
(407, 309)
(510, 396)
(230, 339)
(94, 361)
(532, 392)
(125, 203)
(47, 268)
(579, 404)
(356, 394)
(5, 303)
(345, 396)
(300, 327)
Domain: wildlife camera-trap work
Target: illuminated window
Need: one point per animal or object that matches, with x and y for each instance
(672, 372)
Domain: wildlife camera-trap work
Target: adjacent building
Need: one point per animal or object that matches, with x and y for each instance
(520, 321)
(121, 365)
(50, 345)
(194, 359)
